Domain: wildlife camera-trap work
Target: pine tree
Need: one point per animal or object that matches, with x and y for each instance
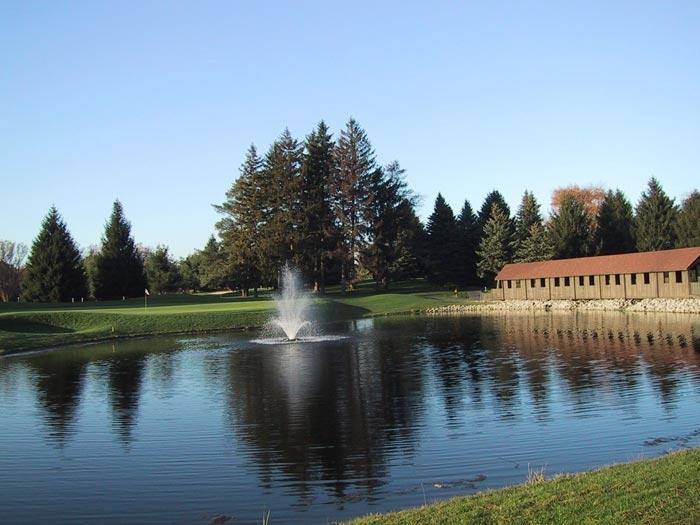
(241, 259)
(384, 216)
(212, 266)
(527, 216)
(655, 219)
(688, 225)
(54, 270)
(162, 274)
(492, 198)
(494, 247)
(319, 233)
(442, 243)
(537, 246)
(570, 229)
(119, 271)
(468, 232)
(280, 233)
(615, 232)
(355, 162)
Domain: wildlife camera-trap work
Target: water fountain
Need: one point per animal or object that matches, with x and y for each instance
(292, 323)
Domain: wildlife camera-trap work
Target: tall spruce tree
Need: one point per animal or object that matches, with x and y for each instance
(319, 232)
(240, 258)
(119, 266)
(54, 271)
(355, 163)
(615, 232)
(442, 243)
(494, 197)
(384, 216)
(527, 216)
(655, 219)
(468, 232)
(537, 246)
(570, 229)
(281, 233)
(688, 224)
(495, 244)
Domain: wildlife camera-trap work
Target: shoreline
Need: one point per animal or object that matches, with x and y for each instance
(652, 306)
(676, 306)
(660, 489)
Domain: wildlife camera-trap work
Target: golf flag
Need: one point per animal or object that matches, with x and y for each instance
(146, 291)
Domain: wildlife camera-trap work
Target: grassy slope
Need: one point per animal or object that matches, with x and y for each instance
(26, 326)
(663, 490)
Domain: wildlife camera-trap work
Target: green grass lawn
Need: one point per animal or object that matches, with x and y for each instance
(657, 491)
(26, 326)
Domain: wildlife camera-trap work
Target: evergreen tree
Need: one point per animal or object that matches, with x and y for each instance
(537, 246)
(468, 232)
(384, 216)
(189, 270)
(242, 259)
(570, 229)
(409, 261)
(494, 247)
(54, 270)
(655, 220)
(442, 243)
(90, 263)
(492, 198)
(280, 233)
(527, 216)
(688, 225)
(615, 232)
(355, 163)
(119, 269)
(319, 232)
(212, 266)
(162, 274)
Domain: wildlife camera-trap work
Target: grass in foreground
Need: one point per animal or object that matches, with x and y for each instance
(27, 326)
(662, 490)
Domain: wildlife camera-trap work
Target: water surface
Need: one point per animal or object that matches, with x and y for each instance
(403, 411)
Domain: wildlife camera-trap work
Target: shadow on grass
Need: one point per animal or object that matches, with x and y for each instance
(331, 310)
(22, 325)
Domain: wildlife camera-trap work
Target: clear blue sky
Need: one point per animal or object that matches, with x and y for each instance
(155, 103)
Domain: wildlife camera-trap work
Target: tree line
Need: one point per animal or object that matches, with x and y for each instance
(331, 209)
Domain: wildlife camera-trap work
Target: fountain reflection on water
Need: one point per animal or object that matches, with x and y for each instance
(293, 323)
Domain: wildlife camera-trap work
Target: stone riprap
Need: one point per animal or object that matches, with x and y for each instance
(686, 305)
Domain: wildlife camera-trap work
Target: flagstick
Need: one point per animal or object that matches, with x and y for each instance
(145, 301)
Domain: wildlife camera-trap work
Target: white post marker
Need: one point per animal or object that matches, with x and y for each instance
(145, 298)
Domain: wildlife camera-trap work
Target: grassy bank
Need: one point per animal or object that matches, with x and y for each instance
(663, 490)
(27, 326)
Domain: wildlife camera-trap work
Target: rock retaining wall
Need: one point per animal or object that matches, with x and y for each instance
(686, 306)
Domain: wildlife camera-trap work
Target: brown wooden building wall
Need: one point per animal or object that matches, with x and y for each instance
(611, 286)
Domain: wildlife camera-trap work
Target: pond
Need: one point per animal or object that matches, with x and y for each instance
(403, 411)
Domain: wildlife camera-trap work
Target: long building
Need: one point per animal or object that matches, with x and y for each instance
(667, 273)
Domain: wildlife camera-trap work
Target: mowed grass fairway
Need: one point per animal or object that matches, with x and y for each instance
(655, 491)
(27, 326)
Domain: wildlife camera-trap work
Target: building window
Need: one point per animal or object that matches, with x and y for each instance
(580, 280)
(556, 281)
(542, 283)
(591, 280)
(679, 277)
(567, 282)
(633, 278)
(607, 280)
(693, 275)
(646, 278)
(667, 278)
(532, 283)
(517, 283)
(510, 284)
(617, 279)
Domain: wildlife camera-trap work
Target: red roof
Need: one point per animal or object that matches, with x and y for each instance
(661, 261)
